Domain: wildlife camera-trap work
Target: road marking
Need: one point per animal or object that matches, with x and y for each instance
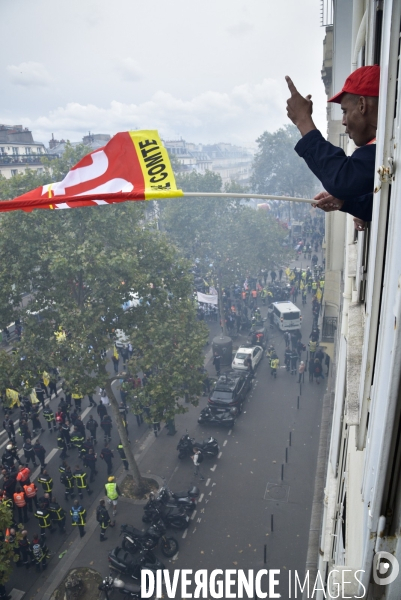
(210, 493)
(207, 482)
(201, 497)
(175, 557)
(47, 459)
(230, 432)
(213, 468)
(194, 530)
(203, 510)
(219, 455)
(193, 515)
(85, 412)
(198, 520)
(184, 535)
(224, 443)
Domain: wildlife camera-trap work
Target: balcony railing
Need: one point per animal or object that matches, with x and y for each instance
(21, 159)
(329, 329)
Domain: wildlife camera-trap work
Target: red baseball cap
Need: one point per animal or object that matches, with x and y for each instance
(365, 81)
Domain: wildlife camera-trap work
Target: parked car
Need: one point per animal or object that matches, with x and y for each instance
(230, 390)
(254, 352)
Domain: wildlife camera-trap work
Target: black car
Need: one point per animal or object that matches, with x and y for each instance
(231, 390)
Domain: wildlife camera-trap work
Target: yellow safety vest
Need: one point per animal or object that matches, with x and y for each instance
(111, 491)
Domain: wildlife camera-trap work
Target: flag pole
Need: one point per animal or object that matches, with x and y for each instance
(255, 196)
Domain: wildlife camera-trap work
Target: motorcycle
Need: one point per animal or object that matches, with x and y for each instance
(132, 564)
(209, 448)
(134, 539)
(130, 590)
(174, 516)
(184, 499)
(218, 416)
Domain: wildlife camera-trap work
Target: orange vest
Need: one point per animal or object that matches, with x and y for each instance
(30, 490)
(19, 499)
(254, 293)
(23, 475)
(243, 294)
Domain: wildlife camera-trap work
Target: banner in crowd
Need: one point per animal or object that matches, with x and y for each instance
(207, 298)
(134, 165)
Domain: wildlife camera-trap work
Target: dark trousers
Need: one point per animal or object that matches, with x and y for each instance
(109, 466)
(103, 527)
(52, 388)
(30, 502)
(81, 530)
(125, 463)
(22, 513)
(60, 524)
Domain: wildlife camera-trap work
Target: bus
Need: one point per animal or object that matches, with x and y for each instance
(286, 315)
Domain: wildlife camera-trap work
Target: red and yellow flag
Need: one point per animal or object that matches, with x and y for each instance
(134, 165)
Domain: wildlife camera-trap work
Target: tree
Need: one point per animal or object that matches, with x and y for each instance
(231, 240)
(277, 169)
(7, 547)
(83, 265)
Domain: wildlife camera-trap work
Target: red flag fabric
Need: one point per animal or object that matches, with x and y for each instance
(134, 165)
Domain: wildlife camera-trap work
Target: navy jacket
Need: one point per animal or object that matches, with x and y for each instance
(348, 178)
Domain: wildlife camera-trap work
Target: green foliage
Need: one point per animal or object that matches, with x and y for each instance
(82, 265)
(227, 234)
(7, 555)
(196, 182)
(277, 168)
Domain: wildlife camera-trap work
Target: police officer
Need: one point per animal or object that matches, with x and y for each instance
(36, 424)
(44, 520)
(121, 451)
(77, 439)
(40, 453)
(29, 452)
(86, 446)
(57, 514)
(46, 481)
(67, 479)
(9, 427)
(78, 517)
(61, 444)
(90, 462)
(106, 425)
(91, 426)
(103, 518)
(106, 454)
(65, 430)
(81, 481)
(50, 419)
(287, 358)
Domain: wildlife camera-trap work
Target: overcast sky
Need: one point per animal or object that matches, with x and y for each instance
(206, 71)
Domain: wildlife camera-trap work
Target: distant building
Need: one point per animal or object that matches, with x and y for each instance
(19, 151)
(233, 163)
(93, 140)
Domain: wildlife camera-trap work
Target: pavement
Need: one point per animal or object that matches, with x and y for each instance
(255, 504)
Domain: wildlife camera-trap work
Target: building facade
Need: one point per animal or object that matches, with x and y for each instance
(355, 543)
(19, 151)
(232, 163)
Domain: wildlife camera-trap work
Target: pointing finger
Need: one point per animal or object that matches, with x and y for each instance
(291, 86)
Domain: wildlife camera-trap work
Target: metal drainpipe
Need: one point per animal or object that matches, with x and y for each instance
(360, 41)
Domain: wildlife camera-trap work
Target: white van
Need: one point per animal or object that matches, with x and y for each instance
(286, 315)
